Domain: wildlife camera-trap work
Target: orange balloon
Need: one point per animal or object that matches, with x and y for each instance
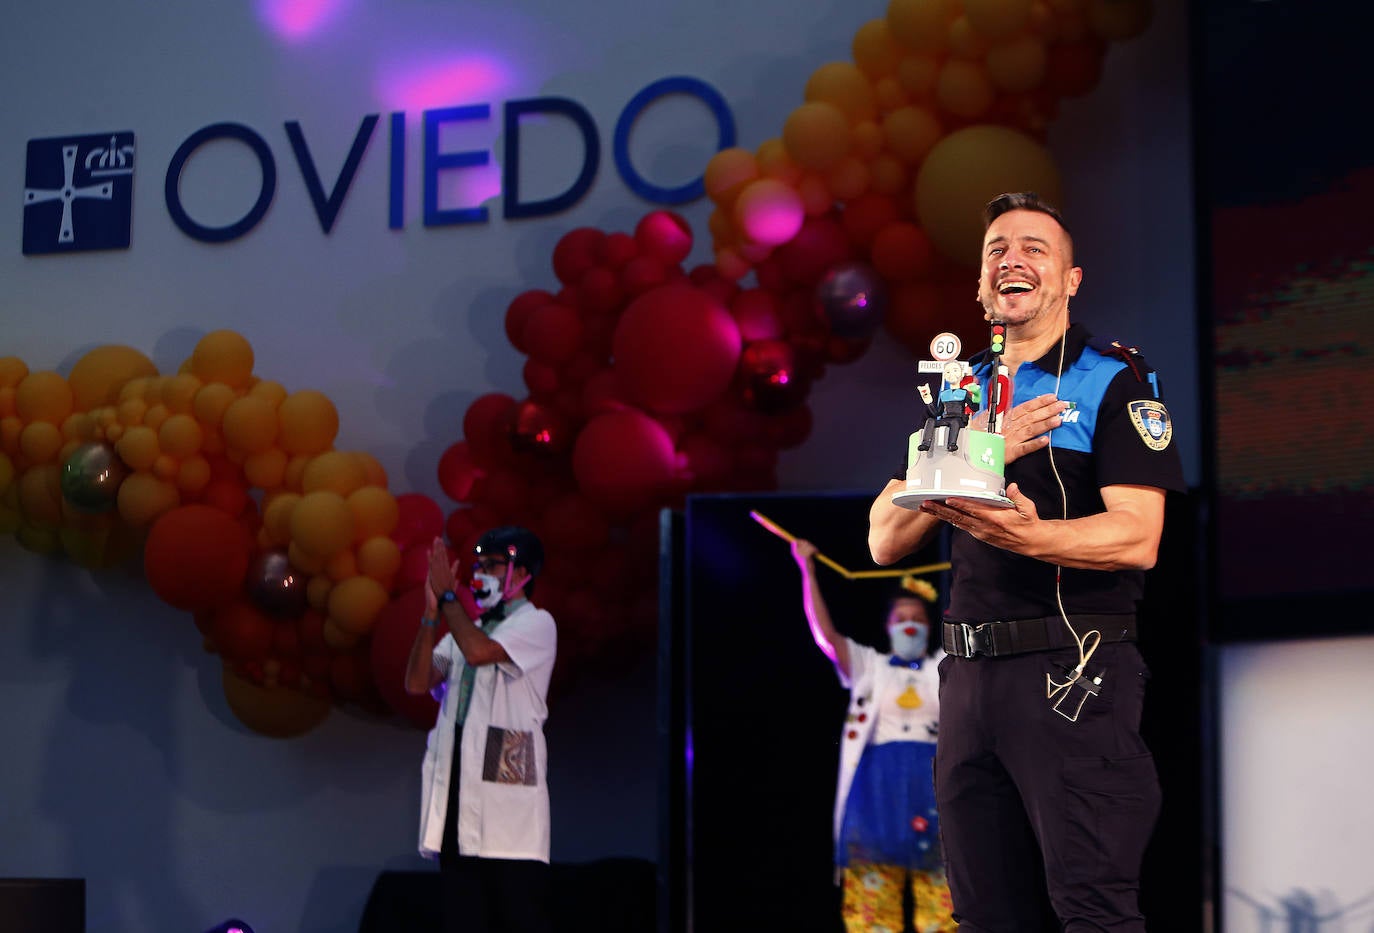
(179, 392)
(911, 132)
(250, 424)
(308, 422)
(964, 89)
(372, 468)
(276, 712)
(843, 85)
(98, 376)
(336, 470)
(143, 497)
(354, 603)
(727, 172)
(775, 162)
(223, 356)
(375, 512)
(918, 24)
(276, 516)
(874, 50)
(997, 19)
(40, 495)
(210, 402)
(138, 447)
(179, 436)
(816, 135)
(1018, 64)
(380, 558)
(43, 396)
(321, 523)
(265, 469)
(40, 441)
(12, 371)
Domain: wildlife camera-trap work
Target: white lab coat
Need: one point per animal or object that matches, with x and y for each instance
(503, 813)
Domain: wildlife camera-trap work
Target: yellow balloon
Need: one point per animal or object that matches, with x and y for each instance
(964, 89)
(816, 135)
(179, 392)
(40, 441)
(143, 497)
(1018, 64)
(276, 712)
(43, 396)
(12, 371)
(372, 468)
(276, 516)
(727, 172)
(180, 436)
(874, 50)
(844, 86)
(375, 512)
(380, 558)
(307, 422)
(321, 523)
(911, 132)
(265, 469)
(98, 376)
(223, 356)
(250, 424)
(355, 602)
(336, 470)
(138, 447)
(967, 169)
(210, 403)
(919, 24)
(998, 19)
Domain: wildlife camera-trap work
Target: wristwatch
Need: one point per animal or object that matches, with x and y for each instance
(447, 596)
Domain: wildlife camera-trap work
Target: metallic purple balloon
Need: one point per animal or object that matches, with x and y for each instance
(852, 299)
(274, 586)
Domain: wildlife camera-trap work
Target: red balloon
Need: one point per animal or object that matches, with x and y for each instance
(665, 236)
(553, 334)
(641, 274)
(619, 249)
(576, 252)
(393, 634)
(484, 428)
(519, 311)
(573, 523)
(601, 394)
(624, 461)
(756, 314)
(866, 215)
(196, 556)
(791, 428)
(772, 382)
(504, 491)
(457, 471)
(540, 378)
(675, 349)
(709, 462)
(539, 429)
(242, 633)
(820, 244)
(599, 292)
(421, 520)
(414, 569)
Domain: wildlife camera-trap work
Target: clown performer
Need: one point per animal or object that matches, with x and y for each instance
(885, 825)
(485, 799)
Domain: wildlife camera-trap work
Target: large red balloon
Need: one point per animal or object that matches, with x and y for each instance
(624, 461)
(196, 556)
(484, 428)
(675, 349)
(393, 633)
(458, 471)
(421, 520)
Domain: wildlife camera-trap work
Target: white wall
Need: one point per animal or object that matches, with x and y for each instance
(122, 762)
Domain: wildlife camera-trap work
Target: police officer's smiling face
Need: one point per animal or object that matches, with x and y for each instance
(1028, 272)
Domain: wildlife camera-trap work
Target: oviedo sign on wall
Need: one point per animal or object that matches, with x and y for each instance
(78, 190)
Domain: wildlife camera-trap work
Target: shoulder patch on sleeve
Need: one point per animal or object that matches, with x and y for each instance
(1151, 422)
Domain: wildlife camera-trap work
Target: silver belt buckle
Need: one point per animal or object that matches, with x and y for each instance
(974, 641)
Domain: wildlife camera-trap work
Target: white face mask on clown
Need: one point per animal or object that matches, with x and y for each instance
(487, 590)
(909, 639)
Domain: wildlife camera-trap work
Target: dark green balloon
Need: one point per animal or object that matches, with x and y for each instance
(91, 476)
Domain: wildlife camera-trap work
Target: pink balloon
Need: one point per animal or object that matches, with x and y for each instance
(675, 349)
(665, 236)
(624, 461)
(769, 211)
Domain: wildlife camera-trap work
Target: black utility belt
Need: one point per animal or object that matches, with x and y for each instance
(1020, 636)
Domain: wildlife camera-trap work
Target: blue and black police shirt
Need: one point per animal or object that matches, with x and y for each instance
(1117, 433)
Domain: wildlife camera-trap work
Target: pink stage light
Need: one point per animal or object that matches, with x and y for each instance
(297, 20)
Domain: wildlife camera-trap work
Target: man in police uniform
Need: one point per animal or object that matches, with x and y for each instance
(1043, 784)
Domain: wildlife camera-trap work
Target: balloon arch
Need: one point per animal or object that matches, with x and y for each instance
(645, 381)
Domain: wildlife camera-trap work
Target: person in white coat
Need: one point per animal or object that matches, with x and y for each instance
(484, 810)
(885, 824)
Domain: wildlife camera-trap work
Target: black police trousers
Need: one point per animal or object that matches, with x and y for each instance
(1037, 812)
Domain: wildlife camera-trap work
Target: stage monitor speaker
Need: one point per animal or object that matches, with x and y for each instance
(42, 905)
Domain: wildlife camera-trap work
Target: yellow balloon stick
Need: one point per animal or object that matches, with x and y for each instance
(847, 574)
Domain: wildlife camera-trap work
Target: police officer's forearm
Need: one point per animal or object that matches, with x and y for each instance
(894, 532)
(1124, 537)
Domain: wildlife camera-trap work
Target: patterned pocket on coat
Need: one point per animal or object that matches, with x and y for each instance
(510, 757)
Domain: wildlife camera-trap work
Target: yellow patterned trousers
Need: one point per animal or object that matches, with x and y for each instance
(873, 899)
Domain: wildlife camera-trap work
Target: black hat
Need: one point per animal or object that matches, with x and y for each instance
(518, 545)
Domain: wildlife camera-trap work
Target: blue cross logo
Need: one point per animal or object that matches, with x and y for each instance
(78, 193)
